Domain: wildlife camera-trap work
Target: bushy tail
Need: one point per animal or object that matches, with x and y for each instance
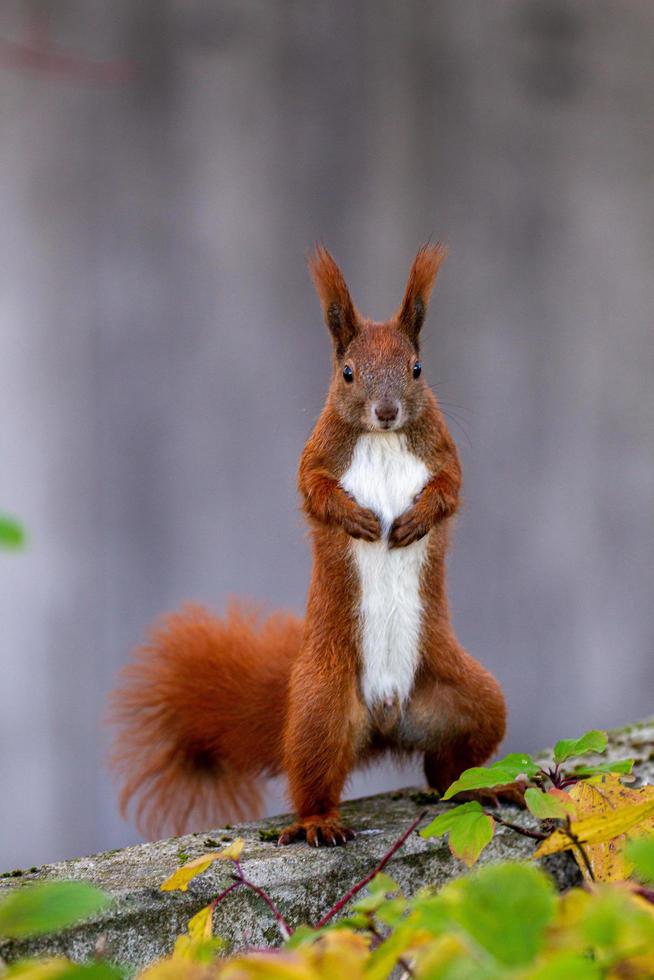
(200, 715)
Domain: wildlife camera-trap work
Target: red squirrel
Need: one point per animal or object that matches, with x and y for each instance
(210, 707)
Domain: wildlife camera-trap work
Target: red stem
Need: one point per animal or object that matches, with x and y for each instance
(534, 834)
(364, 881)
(225, 893)
(284, 927)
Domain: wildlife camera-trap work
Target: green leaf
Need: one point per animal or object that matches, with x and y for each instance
(622, 766)
(12, 534)
(641, 854)
(566, 966)
(567, 748)
(431, 912)
(544, 806)
(49, 907)
(62, 969)
(484, 777)
(383, 883)
(393, 911)
(614, 922)
(356, 921)
(383, 896)
(469, 830)
(506, 908)
(303, 935)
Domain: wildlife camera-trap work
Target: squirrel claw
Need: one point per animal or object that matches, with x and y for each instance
(317, 832)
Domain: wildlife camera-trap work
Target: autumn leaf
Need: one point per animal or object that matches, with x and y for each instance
(198, 943)
(335, 954)
(469, 830)
(179, 880)
(554, 805)
(607, 812)
(200, 926)
(604, 795)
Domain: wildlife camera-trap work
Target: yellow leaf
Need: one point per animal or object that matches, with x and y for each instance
(571, 909)
(174, 969)
(337, 954)
(445, 952)
(179, 880)
(233, 851)
(200, 928)
(594, 798)
(332, 956)
(201, 925)
(599, 796)
(271, 966)
(604, 825)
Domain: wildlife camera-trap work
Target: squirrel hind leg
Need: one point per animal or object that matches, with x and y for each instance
(445, 760)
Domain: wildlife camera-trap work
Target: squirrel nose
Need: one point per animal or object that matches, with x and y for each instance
(386, 411)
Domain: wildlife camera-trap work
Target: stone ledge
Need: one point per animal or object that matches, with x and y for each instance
(143, 922)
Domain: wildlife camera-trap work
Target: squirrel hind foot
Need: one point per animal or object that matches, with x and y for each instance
(317, 832)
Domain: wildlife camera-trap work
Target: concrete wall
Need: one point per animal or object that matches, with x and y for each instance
(162, 356)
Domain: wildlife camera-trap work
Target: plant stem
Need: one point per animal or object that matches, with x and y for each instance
(575, 840)
(364, 881)
(534, 834)
(225, 893)
(568, 781)
(284, 927)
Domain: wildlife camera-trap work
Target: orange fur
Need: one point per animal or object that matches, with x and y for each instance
(200, 714)
(209, 707)
(421, 281)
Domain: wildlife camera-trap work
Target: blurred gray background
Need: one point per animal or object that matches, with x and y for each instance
(162, 356)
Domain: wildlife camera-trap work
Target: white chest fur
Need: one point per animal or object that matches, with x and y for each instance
(385, 476)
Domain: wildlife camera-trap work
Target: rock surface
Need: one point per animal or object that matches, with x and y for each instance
(142, 923)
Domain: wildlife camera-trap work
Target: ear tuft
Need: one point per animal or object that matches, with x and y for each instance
(338, 309)
(418, 289)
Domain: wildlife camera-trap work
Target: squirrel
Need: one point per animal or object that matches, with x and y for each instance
(211, 707)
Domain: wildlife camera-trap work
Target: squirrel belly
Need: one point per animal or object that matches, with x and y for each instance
(385, 476)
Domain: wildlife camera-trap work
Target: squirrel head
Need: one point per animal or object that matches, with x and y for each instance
(377, 385)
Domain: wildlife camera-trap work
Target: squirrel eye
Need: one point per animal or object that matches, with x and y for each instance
(348, 373)
(417, 369)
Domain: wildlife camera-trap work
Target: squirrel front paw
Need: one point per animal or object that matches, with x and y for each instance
(407, 528)
(362, 523)
(318, 832)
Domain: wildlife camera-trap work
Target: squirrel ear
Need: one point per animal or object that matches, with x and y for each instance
(338, 309)
(418, 290)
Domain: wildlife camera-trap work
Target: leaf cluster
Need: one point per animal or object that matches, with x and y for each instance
(548, 793)
(502, 920)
